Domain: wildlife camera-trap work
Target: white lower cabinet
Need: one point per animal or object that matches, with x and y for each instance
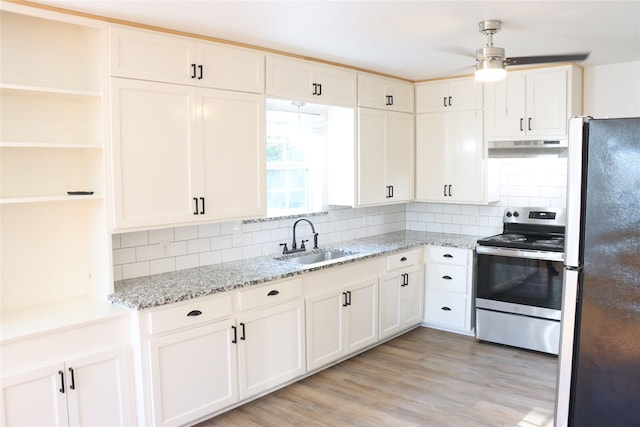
(448, 292)
(203, 355)
(87, 391)
(193, 373)
(341, 321)
(401, 300)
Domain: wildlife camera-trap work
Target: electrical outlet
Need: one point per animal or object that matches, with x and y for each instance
(165, 246)
(237, 235)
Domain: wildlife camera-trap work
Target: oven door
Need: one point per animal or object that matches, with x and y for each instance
(524, 282)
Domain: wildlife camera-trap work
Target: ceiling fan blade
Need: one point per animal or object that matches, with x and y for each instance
(544, 59)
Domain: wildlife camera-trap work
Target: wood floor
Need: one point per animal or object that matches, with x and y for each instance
(423, 378)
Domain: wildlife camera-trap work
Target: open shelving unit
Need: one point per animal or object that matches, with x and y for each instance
(55, 246)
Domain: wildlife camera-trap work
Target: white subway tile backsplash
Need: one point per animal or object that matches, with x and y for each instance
(136, 269)
(163, 265)
(208, 230)
(124, 256)
(162, 235)
(199, 245)
(186, 233)
(137, 238)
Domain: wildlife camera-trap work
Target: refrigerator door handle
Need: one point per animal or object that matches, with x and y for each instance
(574, 191)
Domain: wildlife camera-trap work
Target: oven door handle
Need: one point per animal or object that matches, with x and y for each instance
(520, 253)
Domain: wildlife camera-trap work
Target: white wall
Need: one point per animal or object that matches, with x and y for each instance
(612, 90)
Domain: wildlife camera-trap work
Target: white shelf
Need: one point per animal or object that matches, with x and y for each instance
(54, 145)
(49, 199)
(47, 90)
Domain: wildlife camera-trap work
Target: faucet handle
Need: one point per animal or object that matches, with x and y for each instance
(285, 249)
(302, 245)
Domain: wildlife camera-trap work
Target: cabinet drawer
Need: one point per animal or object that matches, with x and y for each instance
(450, 278)
(446, 309)
(196, 312)
(269, 294)
(403, 259)
(444, 255)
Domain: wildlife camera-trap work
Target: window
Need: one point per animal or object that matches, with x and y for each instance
(296, 134)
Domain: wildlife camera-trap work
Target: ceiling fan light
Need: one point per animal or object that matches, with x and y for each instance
(489, 70)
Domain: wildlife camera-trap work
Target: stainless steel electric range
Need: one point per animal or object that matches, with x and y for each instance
(519, 280)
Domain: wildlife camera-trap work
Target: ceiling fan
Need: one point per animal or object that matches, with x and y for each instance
(491, 61)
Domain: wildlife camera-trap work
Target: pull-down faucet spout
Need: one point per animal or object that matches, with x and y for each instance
(294, 245)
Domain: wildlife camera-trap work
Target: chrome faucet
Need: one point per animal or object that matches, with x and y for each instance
(294, 244)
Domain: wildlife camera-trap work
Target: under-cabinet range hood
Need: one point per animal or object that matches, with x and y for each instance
(521, 149)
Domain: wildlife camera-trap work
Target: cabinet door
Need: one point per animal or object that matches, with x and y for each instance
(390, 310)
(229, 67)
(412, 298)
(432, 97)
(152, 125)
(101, 390)
(34, 398)
(325, 336)
(193, 373)
(466, 94)
(466, 156)
(371, 153)
(450, 157)
(289, 78)
(505, 107)
(432, 154)
(339, 86)
(546, 104)
(271, 347)
(399, 154)
(362, 323)
(146, 55)
(372, 92)
(229, 158)
(402, 96)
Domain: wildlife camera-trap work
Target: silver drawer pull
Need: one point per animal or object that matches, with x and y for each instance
(194, 313)
(273, 293)
(446, 309)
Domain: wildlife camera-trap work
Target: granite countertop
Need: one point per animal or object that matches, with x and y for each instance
(166, 288)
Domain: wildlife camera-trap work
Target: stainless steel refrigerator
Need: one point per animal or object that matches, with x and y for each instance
(599, 360)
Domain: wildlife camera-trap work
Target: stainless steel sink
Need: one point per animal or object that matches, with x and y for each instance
(315, 257)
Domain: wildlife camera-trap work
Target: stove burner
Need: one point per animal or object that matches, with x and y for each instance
(511, 238)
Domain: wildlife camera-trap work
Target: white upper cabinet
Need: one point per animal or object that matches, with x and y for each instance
(451, 156)
(145, 55)
(310, 81)
(385, 157)
(176, 152)
(533, 104)
(385, 94)
(448, 95)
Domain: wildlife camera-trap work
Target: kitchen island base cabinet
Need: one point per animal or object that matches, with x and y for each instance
(341, 322)
(86, 391)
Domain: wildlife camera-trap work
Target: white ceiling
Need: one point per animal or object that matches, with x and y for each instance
(416, 40)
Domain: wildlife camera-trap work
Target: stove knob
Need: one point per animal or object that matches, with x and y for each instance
(516, 214)
(508, 214)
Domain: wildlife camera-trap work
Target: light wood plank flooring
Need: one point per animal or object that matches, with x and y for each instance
(423, 378)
